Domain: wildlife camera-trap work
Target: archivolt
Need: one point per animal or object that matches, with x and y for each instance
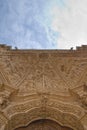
(24, 118)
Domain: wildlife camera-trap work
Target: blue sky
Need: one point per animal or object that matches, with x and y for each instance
(43, 24)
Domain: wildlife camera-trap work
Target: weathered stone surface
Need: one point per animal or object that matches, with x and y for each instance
(43, 84)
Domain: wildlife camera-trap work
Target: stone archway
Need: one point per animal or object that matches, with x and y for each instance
(44, 124)
(22, 119)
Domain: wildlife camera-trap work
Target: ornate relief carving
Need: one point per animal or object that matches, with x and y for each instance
(6, 95)
(79, 94)
(37, 79)
(67, 107)
(22, 119)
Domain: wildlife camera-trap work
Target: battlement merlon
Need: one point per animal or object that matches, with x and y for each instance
(5, 47)
(81, 48)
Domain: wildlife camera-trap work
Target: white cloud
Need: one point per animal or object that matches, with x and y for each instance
(70, 22)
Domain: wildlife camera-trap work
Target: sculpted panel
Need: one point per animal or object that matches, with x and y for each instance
(62, 73)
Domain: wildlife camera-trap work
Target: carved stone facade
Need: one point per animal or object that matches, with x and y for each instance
(43, 85)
